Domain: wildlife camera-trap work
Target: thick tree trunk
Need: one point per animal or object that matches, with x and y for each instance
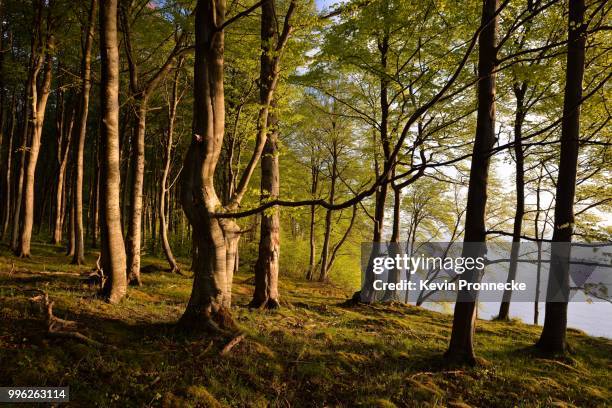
(553, 338)
(112, 245)
(210, 301)
(83, 109)
(461, 347)
(519, 93)
(136, 187)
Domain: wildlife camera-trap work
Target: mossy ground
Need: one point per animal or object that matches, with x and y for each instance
(311, 352)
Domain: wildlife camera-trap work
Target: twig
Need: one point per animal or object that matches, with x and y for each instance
(229, 346)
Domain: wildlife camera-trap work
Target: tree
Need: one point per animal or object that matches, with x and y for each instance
(164, 187)
(461, 347)
(141, 90)
(38, 94)
(112, 256)
(553, 337)
(81, 133)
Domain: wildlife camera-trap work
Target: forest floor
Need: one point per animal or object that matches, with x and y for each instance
(312, 352)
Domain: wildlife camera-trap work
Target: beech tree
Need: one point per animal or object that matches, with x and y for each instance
(112, 255)
(43, 46)
(81, 133)
(461, 345)
(553, 337)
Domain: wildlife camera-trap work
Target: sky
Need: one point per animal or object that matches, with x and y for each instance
(323, 4)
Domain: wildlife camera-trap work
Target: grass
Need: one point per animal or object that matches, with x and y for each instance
(312, 352)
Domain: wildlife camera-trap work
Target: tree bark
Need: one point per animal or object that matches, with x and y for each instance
(210, 300)
(519, 93)
(112, 245)
(553, 337)
(38, 105)
(367, 294)
(136, 187)
(266, 269)
(63, 150)
(461, 347)
(83, 109)
(314, 168)
(394, 246)
(8, 170)
(164, 188)
(323, 275)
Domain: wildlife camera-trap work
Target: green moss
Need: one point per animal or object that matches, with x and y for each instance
(312, 352)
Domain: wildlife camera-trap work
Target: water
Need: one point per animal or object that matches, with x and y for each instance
(595, 318)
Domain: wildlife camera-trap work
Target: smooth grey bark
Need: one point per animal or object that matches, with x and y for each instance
(112, 246)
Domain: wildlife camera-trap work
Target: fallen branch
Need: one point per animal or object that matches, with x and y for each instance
(57, 327)
(229, 346)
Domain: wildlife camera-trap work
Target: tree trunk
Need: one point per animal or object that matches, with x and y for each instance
(461, 347)
(367, 294)
(38, 108)
(83, 109)
(394, 247)
(135, 219)
(519, 93)
(63, 151)
(163, 188)
(553, 338)
(210, 301)
(8, 170)
(323, 275)
(313, 192)
(112, 245)
(266, 268)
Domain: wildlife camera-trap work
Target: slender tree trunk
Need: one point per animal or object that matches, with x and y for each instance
(163, 188)
(461, 347)
(112, 245)
(394, 246)
(519, 93)
(323, 275)
(553, 338)
(313, 192)
(19, 187)
(8, 170)
(95, 224)
(38, 108)
(83, 109)
(266, 269)
(63, 151)
(367, 294)
(135, 219)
